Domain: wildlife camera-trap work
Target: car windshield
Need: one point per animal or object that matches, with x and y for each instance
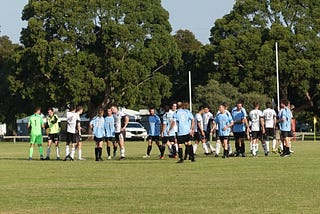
(134, 125)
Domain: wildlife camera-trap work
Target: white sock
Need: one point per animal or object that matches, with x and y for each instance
(79, 154)
(73, 150)
(251, 147)
(48, 152)
(122, 152)
(257, 147)
(195, 147)
(274, 143)
(281, 146)
(267, 145)
(229, 148)
(218, 145)
(67, 150)
(177, 147)
(205, 148)
(254, 149)
(58, 152)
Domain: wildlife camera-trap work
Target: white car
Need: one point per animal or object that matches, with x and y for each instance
(135, 130)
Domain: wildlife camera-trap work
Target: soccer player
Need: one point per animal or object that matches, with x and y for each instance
(224, 121)
(35, 125)
(256, 118)
(285, 120)
(54, 126)
(185, 128)
(207, 118)
(79, 111)
(153, 133)
(109, 127)
(239, 116)
(270, 120)
(72, 118)
(98, 126)
(120, 121)
(199, 134)
(168, 133)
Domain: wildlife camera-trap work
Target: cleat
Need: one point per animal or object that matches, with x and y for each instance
(122, 158)
(266, 154)
(216, 155)
(180, 161)
(41, 158)
(223, 156)
(47, 158)
(146, 156)
(58, 158)
(109, 158)
(243, 155)
(193, 160)
(30, 158)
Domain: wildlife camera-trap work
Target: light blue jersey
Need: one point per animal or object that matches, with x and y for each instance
(286, 115)
(167, 120)
(223, 120)
(183, 120)
(154, 125)
(236, 116)
(98, 126)
(109, 126)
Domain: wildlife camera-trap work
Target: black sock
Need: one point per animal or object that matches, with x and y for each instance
(180, 153)
(159, 147)
(243, 148)
(108, 150)
(174, 149)
(115, 149)
(149, 148)
(100, 152)
(163, 148)
(96, 153)
(191, 152)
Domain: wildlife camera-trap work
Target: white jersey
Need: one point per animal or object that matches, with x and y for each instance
(255, 116)
(198, 122)
(206, 118)
(175, 127)
(269, 116)
(72, 118)
(117, 121)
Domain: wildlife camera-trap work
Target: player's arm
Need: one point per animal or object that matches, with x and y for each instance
(214, 125)
(262, 124)
(126, 121)
(79, 127)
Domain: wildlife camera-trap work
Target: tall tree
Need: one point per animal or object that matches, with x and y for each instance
(94, 52)
(244, 43)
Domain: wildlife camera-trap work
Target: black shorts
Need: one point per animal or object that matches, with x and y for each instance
(71, 138)
(183, 139)
(120, 135)
(239, 135)
(109, 139)
(153, 138)
(98, 139)
(78, 138)
(166, 139)
(285, 134)
(217, 135)
(207, 133)
(54, 137)
(198, 136)
(256, 134)
(222, 138)
(270, 132)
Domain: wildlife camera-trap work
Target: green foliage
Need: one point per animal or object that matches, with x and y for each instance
(215, 93)
(244, 42)
(94, 53)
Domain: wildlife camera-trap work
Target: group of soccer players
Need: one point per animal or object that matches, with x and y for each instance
(176, 128)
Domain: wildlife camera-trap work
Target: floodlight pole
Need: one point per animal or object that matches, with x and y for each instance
(190, 98)
(277, 71)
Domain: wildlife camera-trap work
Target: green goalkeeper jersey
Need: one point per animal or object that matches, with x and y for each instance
(35, 123)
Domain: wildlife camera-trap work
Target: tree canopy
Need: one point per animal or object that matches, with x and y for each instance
(244, 46)
(94, 53)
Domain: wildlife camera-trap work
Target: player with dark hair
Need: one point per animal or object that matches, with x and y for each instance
(270, 120)
(199, 134)
(285, 121)
(257, 128)
(153, 133)
(72, 118)
(98, 126)
(168, 133)
(53, 124)
(109, 128)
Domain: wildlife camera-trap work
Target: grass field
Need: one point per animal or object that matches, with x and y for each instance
(210, 185)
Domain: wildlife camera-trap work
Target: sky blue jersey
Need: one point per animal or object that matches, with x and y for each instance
(285, 114)
(167, 119)
(98, 126)
(109, 126)
(183, 120)
(236, 116)
(223, 120)
(154, 125)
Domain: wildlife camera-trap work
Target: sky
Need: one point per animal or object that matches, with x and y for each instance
(197, 16)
